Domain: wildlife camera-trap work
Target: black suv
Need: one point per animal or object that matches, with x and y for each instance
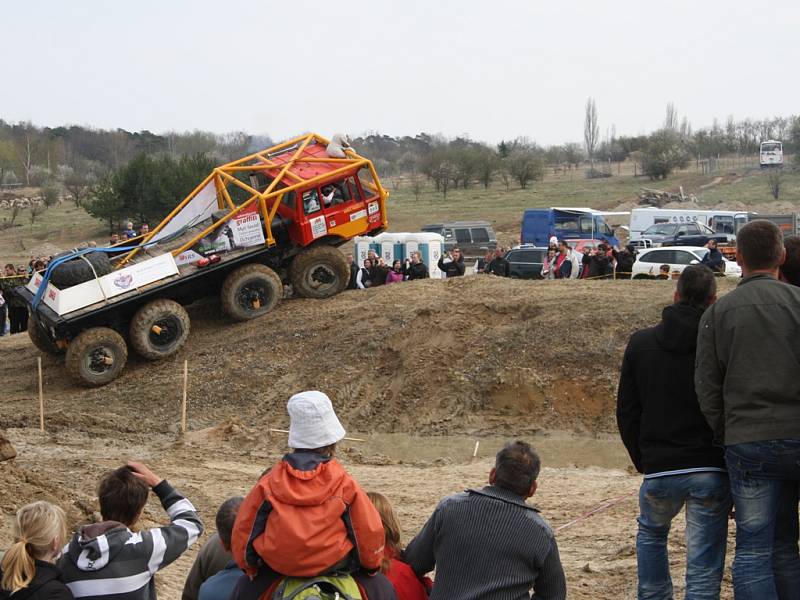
(473, 237)
(678, 234)
(525, 262)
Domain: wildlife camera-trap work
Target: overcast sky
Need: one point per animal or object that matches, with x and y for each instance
(491, 69)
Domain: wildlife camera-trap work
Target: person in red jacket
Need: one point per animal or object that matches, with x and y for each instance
(306, 516)
(406, 584)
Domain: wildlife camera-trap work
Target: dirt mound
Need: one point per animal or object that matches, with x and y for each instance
(474, 354)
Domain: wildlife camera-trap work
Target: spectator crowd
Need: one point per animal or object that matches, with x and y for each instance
(305, 526)
(708, 408)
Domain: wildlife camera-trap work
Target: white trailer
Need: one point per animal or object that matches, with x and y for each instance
(771, 154)
(721, 221)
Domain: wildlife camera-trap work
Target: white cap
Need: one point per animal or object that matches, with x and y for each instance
(312, 422)
(553, 241)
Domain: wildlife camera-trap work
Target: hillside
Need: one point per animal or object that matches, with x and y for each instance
(442, 364)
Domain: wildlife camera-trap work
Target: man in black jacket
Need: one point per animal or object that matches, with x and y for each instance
(415, 268)
(499, 265)
(748, 361)
(454, 267)
(670, 442)
(713, 258)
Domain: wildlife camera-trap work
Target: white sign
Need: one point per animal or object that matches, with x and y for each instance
(318, 227)
(188, 257)
(372, 207)
(358, 215)
(247, 230)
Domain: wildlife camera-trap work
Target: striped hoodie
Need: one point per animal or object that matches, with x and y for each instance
(108, 560)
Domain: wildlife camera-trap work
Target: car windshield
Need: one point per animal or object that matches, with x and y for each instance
(660, 229)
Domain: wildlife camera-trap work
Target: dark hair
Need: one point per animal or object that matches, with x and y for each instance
(122, 496)
(713, 241)
(760, 243)
(226, 517)
(664, 268)
(516, 467)
(790, 269)
(697, 285)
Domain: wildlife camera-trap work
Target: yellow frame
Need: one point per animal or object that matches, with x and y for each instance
(270, 198)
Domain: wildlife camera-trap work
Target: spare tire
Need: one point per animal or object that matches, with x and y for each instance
(77, 270)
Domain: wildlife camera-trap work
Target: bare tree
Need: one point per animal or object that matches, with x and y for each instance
(23, 147)
(416, 185)
(591, 130)
(505, 174)
(671, 118)
(525, 166)
(77, 185)
(36, 210)
(445, 174)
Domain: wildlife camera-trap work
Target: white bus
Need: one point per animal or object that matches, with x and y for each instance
(771, 154)
(721, 221)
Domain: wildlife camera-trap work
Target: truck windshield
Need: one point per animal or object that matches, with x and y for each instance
(660, 229)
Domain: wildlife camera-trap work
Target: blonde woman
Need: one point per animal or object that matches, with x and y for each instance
(28, 572)
(406, 584)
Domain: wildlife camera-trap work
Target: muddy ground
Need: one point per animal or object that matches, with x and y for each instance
(422, 370)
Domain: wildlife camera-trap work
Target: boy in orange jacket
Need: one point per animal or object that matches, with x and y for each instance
(306, 516)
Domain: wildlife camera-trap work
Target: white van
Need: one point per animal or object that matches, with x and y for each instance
(721, 221)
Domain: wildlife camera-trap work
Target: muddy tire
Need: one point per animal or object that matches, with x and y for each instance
(319, 272)
(159, 329)
(77, 271)
(96, 357)
(40, 339)
(250, 291)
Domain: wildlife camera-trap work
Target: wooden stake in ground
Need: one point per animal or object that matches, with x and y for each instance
(347, 439)
(475, 453)
(185, 386)
(41, 395)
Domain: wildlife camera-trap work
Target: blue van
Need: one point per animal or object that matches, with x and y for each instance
(539, 224)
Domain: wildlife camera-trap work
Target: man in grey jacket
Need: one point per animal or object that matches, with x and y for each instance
(747, 379)
(490, 543)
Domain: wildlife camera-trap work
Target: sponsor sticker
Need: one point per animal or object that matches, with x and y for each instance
(358, 215)
(372, 207)
(123, 282)
(318, 227)
(374, 218)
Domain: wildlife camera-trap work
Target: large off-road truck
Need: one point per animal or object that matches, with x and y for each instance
(272, 218)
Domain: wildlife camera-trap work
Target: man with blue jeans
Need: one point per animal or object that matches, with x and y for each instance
(670, 442)
(748, 384)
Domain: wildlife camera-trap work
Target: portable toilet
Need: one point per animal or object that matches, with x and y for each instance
(399, 246)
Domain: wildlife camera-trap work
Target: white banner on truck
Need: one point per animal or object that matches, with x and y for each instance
(199, 209)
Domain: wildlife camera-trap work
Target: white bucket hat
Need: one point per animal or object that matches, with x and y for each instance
(312, 422)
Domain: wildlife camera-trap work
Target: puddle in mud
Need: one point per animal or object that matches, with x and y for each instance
(555, 449)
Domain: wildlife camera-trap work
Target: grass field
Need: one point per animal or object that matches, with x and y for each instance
(62, 226)
(737, 185)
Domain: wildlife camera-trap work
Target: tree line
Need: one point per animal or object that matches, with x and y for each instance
(118, 175)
